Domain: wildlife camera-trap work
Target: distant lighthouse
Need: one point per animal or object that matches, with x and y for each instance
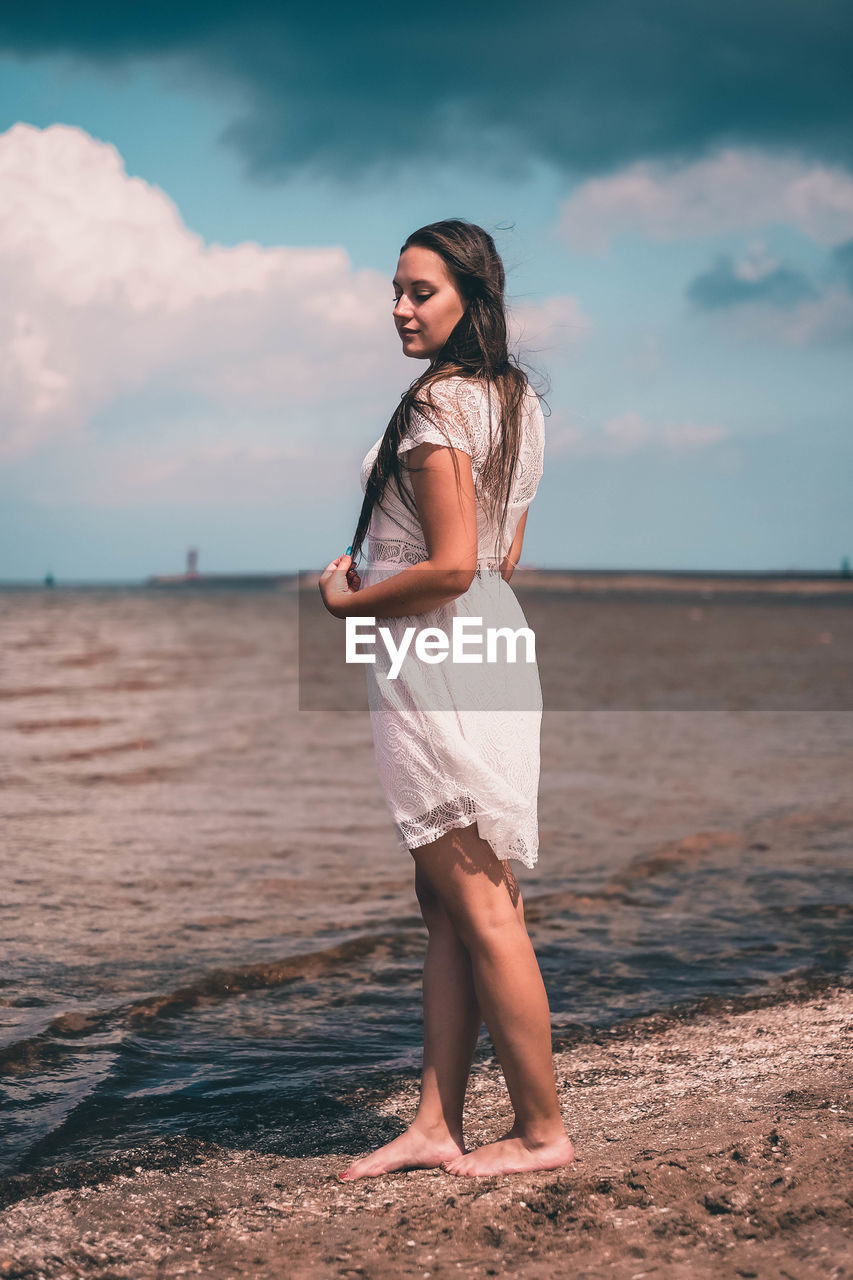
(192, 562)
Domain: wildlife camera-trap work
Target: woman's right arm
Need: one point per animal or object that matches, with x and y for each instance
(513, 556)
(443, 489)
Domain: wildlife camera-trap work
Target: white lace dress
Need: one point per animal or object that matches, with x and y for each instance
(458, 743)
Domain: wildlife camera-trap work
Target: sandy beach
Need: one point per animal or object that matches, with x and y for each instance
(712, 1144)
(211, 998)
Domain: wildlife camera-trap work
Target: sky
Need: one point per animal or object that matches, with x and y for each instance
(201, 209)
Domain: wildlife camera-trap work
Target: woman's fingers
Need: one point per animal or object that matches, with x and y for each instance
(335, 565)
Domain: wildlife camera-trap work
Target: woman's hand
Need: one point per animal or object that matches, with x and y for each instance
(338, 584)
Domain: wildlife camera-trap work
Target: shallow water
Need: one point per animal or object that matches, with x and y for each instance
(209, 928)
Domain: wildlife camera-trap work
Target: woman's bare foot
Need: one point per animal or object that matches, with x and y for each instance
(512, 1155)
(413, 1149)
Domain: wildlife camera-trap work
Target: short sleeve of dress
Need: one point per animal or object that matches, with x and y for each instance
(453, 422)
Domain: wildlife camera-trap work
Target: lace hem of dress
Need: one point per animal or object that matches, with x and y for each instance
(451, 815)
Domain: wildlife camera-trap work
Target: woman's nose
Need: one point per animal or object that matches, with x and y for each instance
(402, 308)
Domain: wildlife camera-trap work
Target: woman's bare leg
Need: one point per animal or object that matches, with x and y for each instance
(452, 1021)
(481, 897)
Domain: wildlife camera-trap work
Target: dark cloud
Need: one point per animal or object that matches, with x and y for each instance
(587, 85)
(841, 263)
(722, 287)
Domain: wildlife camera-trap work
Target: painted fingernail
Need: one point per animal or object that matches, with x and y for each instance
(349, 550)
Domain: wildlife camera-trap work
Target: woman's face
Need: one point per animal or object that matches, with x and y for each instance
(428, 303)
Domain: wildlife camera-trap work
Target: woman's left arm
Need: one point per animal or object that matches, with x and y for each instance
(443, 489)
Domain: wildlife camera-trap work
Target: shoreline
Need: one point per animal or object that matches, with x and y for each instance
(810, 583)
(721, 585)
(712, 1140)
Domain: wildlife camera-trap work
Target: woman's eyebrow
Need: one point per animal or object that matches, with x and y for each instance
(428, 283)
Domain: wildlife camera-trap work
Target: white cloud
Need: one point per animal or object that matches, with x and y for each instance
(628, 433)
(114, 308)
(109, 294)
(554, 324)
(224, 470)
(756, 265)
(733, 190)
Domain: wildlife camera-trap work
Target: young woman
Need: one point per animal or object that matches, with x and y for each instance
(446, 492)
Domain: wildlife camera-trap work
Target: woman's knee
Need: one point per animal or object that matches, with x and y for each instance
(484, 909)
(489, 927)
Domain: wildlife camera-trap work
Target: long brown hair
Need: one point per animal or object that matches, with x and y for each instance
(475, 348)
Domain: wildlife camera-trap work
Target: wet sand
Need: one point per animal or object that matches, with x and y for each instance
(711, 1142)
